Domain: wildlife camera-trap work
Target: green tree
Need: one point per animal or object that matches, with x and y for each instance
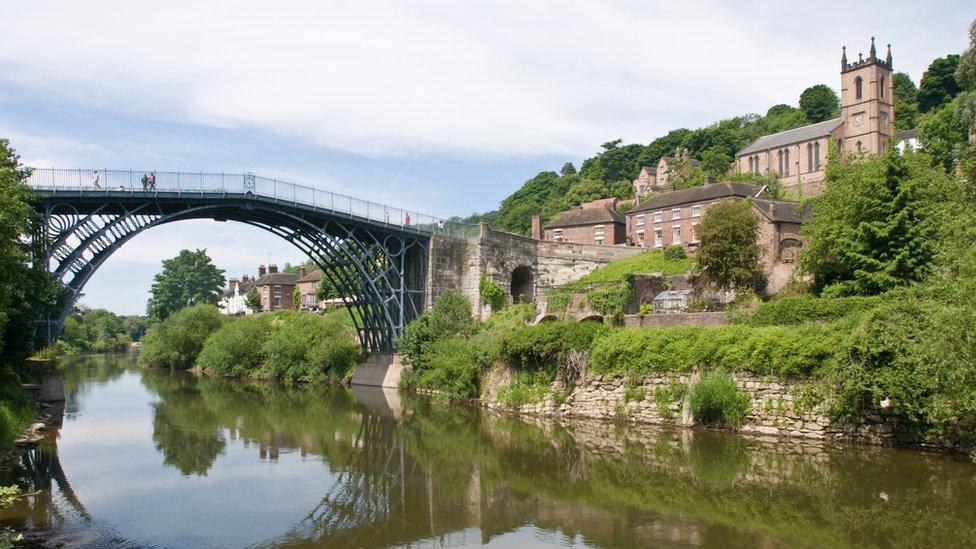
(938, 85)
(253, 300)
(780, 110)
(176, 341)
(26, 290)
(871, 230)
(716, 161)
(906, 106)
(614, 162)
(819, 103)
(187, 279)
(567, 169)
(296, 298)
(728, 252)
(943, 134)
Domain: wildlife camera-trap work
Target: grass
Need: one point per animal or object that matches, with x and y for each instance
(16, 412)
(652, 261)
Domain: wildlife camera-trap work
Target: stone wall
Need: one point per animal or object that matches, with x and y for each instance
(778, 408)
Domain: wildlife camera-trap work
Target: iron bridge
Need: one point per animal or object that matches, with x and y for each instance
(375, 255)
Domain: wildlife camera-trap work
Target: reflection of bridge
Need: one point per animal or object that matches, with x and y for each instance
(376, 254)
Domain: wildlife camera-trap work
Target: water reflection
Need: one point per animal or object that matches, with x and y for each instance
(369, 468)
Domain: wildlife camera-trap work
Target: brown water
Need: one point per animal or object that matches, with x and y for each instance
(154, 459)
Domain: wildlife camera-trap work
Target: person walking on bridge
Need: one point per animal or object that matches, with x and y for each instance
(145, 182)
(94, 180)
(152, 181)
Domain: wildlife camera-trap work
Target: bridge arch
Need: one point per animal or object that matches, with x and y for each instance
(379, 266)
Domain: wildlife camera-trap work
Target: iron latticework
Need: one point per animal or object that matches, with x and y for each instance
(375, 257)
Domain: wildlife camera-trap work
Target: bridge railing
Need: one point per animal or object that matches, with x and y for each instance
(56, 180)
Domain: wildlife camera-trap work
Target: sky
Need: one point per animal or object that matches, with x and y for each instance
(439, 107)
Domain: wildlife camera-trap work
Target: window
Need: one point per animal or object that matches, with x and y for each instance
(858, 85)
(696, 211)
(779, 153)
(598, 241)
(752, 166)
(676, 213)
(639, 220)
(658, 217)
(859, 146)
(694, 233)
(882, 90)
(809, 157)
(658, 238)
(640, 238)
(557, 235)
(676, 234)
(757, 163)
(816, 155)
(598, 234)
(786, 161)
(277, 296)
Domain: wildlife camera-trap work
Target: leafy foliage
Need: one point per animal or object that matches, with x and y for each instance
(253, 300)
(675, 252)
(944, 134)
(492, 294)
(906, 106)
(16, 412)
(450, 316)
(715, 399)
(728, 252)
(819, 103)
(176, 341)
(938, 85)
(796, 310)
(99, 331)
(187, 279)
(543, 345)
(873, 227)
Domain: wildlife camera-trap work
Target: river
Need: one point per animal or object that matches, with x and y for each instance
(148, 459)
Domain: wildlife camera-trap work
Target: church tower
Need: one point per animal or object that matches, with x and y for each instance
(867, 102)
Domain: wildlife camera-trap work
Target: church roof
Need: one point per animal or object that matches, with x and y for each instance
(586, 216)
(796, 135)
(781, 210)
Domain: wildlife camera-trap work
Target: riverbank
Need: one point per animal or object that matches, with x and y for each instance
(30, 411)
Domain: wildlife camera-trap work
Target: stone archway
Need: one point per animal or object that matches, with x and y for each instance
(523, 285)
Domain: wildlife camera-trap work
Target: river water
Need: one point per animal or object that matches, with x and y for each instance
(157, 459)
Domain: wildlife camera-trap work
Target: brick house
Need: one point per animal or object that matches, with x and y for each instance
(308, 284)
(656, 178)
(596, 222)
(275, 288)
(672, 218)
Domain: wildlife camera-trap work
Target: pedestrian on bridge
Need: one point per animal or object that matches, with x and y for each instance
(94, 180)
(152, 181)
(145, 182)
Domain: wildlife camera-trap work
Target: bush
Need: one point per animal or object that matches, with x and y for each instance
(177, 341)
(451, 366)
(492, 294)
(791, 311)
(16, 412)
(235, 349)
(715, 399)
(544, 345)
(307, 347)
(526, 388)
(782, 351)
(675, 252)
(450, 316)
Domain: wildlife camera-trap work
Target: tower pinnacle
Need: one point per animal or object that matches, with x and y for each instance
(843, 57)
(888, 58)
(874, 52)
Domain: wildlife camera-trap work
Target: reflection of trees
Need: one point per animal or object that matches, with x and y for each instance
(81, 373)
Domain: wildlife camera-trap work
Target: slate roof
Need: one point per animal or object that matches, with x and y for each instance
(907, 134)
(781, 210)
(697, 194)
(282, 279)
(313, 276)
(796, 135)
(586, 216)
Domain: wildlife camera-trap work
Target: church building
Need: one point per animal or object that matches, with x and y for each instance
(865, 124)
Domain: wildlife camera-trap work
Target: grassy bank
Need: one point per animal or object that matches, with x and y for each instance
(902, 347)
(284, 345)
(16, 412)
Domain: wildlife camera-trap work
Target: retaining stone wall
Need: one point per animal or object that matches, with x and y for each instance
(676, 319)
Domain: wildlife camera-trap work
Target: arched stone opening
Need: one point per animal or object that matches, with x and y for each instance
(593, 318)
(523, 285)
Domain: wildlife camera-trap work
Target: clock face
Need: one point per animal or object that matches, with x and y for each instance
(858, 119)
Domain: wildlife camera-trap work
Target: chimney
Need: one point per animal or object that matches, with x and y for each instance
(272, 269)
(301, 271)
(536, 227)
(262, 271)
(232, 285)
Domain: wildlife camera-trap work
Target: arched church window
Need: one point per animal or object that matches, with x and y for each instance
(751, 165)
(809, 157)
(816, 155)
(786, 161)
(757, 163)
(779, 154)
(859, 146)
(882, 86)
(858, 85)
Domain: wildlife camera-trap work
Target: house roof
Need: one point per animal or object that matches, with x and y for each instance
(586, 216)
(781, 210)
(313, 276)
(697, 194)
(282, 279)
(649, 169)
(796, 135)
(907, 134)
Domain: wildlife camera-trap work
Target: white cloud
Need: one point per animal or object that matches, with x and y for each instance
(386, 78)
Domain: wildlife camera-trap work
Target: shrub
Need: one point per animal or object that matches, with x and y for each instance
(790, 311)
(665, 396)
(307, 347)
(492, 294)
(675, 252)
(526, 388)
(16, 412)
(450, 316)
(646, 309)
(451, 366)
(715, 399)
(235, 349)
(177, 341)
(544, 345)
